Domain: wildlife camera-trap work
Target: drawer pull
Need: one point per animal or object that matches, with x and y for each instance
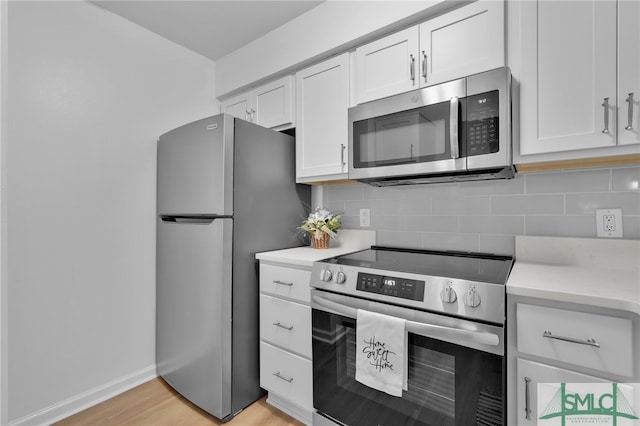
(527, 410)
(280, 376)
(282, 283)
(589, 342)
(277, 324)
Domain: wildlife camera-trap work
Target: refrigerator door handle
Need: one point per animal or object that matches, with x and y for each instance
(193, 218)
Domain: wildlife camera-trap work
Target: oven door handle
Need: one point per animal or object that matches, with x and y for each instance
(422, 329)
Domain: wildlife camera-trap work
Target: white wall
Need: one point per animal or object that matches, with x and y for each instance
(88, 95)
(331, 27)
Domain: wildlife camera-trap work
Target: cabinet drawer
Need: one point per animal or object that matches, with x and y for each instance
(613, 335)
(287, 375)
(286, 282)
(286, 324)
(535, 379)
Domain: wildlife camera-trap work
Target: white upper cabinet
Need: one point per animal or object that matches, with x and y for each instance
(387, 66)
(270, 105)
(465, 41)
(322, 101)
(575, 76)
(629, 72)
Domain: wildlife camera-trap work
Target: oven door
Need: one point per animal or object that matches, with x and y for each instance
(456, 368)
(407, 134)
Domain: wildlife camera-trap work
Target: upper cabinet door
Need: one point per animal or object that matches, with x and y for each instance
(238, 106)
(274, 103)
(322, 101)
(387, 66)
(629, 72)
(568, 75)
(463, 42)
(270, 105)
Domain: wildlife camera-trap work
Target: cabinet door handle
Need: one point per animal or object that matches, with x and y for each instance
(412, 69)
(246, 115)
(424, 66)
(342, 148)
(527, 396)
(278, 324)
(280, 376)
(589, 342)
(605, 104)
(630, 112)
(253, 115)
(411, 152)
(282, 283)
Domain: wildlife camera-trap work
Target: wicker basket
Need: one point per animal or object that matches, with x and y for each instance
(320, 240)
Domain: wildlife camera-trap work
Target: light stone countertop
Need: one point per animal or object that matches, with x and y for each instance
(348, 241)
(596, 272)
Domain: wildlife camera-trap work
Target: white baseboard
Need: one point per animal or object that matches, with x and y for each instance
(87, 399)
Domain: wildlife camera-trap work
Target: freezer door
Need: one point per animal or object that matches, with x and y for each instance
(193, 309)
(195, 168)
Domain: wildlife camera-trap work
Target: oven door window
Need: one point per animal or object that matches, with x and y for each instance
(448, 384)
(415, 136)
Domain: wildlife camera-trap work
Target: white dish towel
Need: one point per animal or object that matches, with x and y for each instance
(381, 352)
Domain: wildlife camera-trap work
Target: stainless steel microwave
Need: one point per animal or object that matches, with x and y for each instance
(455, 131)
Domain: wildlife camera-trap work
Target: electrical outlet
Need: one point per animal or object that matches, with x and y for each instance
(609, 223)
(365, 218)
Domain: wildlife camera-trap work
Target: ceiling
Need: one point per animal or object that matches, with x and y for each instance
(212, 28)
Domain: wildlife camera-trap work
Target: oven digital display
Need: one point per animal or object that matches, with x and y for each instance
(391, 286)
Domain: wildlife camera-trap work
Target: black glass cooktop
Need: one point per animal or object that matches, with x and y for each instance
(479, 267)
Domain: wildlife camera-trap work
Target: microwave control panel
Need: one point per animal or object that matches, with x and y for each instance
(483, 123)
(391, 286)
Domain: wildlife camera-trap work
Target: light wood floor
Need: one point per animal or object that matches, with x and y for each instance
(155, 403)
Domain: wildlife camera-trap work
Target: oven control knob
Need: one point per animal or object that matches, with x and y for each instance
(472, 298)
(340, 277)
(448, 294)
(326, 275)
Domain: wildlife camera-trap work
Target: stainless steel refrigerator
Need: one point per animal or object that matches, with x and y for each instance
(226, 190)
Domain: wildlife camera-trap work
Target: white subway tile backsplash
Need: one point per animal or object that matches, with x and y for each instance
(631, 227)
(399, 239)
(418, 205)
(493, 187)
(498, 244)
(461, 206)
(500, 225)
(629, 202)
(561, 226)
(457, 242)
(595, 180)
(485, 216)
(345, 192)
(389, 223)
(626, 179)
(527, 204)
(432, 223)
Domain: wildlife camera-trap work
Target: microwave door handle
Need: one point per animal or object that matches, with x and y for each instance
(453, 128)
(422, 329)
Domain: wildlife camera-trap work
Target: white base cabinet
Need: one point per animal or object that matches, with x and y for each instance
(551, 342)
(533, 375)
(286, 371)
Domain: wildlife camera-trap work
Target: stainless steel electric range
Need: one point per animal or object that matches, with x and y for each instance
(453, 304)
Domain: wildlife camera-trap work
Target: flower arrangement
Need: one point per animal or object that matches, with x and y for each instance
(322, 225)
